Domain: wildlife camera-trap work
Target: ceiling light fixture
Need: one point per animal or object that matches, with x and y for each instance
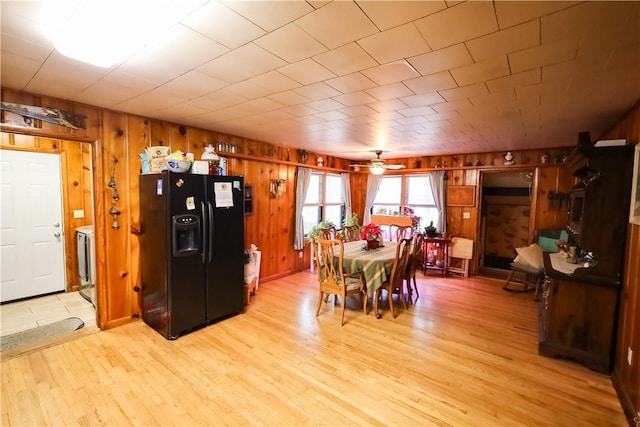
(106, 33)
(376, 169)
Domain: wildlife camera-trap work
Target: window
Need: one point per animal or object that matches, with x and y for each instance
(408, 195)
(324, 202)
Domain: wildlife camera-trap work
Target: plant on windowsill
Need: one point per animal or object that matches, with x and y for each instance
(372, 234)
(315, 230)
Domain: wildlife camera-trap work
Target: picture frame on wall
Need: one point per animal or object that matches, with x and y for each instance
(634, 212)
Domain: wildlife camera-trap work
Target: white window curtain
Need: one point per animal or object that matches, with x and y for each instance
(373, 184)
(346, 190)
(303, 176)
(437, 188)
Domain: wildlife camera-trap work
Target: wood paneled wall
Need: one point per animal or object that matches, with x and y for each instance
(626, 378)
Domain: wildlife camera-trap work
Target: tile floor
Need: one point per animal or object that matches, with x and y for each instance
(31, 313)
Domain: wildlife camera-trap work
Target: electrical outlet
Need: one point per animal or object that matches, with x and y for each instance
(78, 213)
(466, 215)
(300, 254)
(629, 356)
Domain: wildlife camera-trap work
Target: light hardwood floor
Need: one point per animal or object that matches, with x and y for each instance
(464, 355)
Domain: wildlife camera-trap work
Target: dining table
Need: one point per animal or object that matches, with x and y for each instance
(375, 264)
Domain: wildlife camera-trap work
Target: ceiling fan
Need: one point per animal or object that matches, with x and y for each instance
(377, 166)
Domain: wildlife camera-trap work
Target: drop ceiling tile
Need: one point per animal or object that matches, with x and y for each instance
(242, 63)
(389, 105)
(58, 68)
(274, 81)
(325, 105)
(416, 111)
(21, 71)
(317, 91)
(515, 80)
(431, 83)
(512, 13)
(192, 84)
(21, 47)
(350, 83)
(506, 41)
(175, 112)
(540, 56)
(298, 110)
(152, 101)
(218, 100)
(256, 106)
(105, 94)
(481, 71)
(289, 97)
(346, 59)
(306, 72)
(223, 25)
(291, 44)
(386, 92)
(248, 89)
(270, 15)
(354, 98)
(395, 44)
(358, 110)
(332, 115)
(401, 12)
(337, 24)
(623, 57)
(600, 41)
(422, 99)
(452, 106)
(441, 60)
(458, 24)
(464, 92)
(586, 17)
(135, 84)
(391, 73)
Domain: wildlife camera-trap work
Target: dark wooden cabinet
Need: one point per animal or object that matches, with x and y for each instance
(577, 317)
(578, 312)
(599, 204)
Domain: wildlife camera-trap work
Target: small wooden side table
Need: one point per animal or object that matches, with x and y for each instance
(441, 243)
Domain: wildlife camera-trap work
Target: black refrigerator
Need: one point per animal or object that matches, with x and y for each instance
(191, 250)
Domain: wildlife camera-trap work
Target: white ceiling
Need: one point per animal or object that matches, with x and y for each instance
(343, 77)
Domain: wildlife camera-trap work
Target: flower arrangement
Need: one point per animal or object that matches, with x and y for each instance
(371, 232)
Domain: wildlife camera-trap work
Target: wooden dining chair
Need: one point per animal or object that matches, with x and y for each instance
(350, 233)
(331, 278)
(328, 233)
(416, 259)
(395, 282)
(399, 232)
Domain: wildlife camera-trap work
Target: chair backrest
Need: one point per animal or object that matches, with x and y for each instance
(417, 252)
(350, 233)
(399, 232)
(328, 233)
(399, 269)
(330, 272)
(548, 238)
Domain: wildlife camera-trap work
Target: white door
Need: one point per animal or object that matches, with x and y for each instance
(31, 230)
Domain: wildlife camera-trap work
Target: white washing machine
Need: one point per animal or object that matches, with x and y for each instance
(86, 249)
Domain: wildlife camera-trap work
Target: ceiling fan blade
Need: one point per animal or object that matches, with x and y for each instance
(394, 166)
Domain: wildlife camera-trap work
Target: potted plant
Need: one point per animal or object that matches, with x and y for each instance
(430, 230)
(315, 230)
(372, 234)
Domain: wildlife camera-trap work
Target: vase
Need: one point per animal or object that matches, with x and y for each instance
(373, 244)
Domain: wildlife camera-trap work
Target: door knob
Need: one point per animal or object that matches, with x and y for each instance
(56, 235)
(57, 224)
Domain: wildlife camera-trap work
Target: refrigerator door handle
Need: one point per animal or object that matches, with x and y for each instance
(210, 209)
(204, 234)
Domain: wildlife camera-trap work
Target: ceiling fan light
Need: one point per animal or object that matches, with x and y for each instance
(376, 169)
